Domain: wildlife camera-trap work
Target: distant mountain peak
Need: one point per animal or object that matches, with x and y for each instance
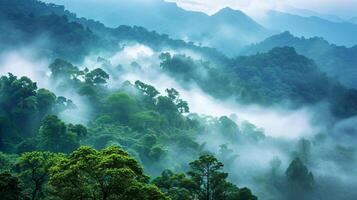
(229, 11)
(286, 33)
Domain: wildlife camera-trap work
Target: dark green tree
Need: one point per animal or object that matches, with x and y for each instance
(10, 187)
(207, 175)
(55, 136)
(96, 77)
(120, 106)
(298, 175)
(62, 69)
(148, 90)
(46, 101)
(176, 186)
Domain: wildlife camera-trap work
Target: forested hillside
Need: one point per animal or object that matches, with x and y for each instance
(336, 61)
(227, 29)
(93, 112)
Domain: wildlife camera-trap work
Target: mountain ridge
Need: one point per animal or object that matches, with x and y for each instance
(337, 61)
(312, 26)
(168, 18)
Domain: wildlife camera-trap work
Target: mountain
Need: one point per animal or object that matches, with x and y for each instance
(337, 61)
(227, 30)
(310, 13)
(333, 32)
(26, 21)
(263, 79)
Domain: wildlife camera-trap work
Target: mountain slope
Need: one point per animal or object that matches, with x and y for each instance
(310, 13)
(275, 77)
(313, 26)
(336, 61)
(228, 30)
(26, 21)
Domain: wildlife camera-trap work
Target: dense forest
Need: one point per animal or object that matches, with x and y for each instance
(336, 61)
(109, 114)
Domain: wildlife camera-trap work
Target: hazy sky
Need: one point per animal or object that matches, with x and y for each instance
(254, 8)
(342, 8)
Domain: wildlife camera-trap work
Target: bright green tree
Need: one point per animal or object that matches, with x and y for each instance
(105, 175)
(34, 170)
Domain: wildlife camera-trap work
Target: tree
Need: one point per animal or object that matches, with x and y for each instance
(77, 129)
(7, 161)
(148, 90)
(56, 137)
(22, 107)
(120, 106)
(174, 96)
(176, 186)
(64, 69)
(10, 187)
(34, 169)
(146, 119)
(106, 175)
(205, 181)
(207, 175)
(252, 132)
(96, 77)
(228, 128)
(299, 176)
(46, 100)
(17, 96)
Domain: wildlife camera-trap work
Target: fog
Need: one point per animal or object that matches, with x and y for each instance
(331, 156)
(274, 120)
(24, 62)
(283, 127)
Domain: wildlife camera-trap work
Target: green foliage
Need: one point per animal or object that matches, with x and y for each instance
(10, 187)
(22, 107)
(56, 136)
(88, 173)
(335, 61)
(276, 76)
(146, 89)
(252, 132)
(34, 170)
(96, 76)
(205, 181)
(207, 176)
(62, 69)
(67, 39)
(176, 186)
(120, 106)
(7, 161)
(229, 128)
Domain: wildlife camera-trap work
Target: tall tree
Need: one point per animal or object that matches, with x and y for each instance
(299, 175)
(206, 173)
